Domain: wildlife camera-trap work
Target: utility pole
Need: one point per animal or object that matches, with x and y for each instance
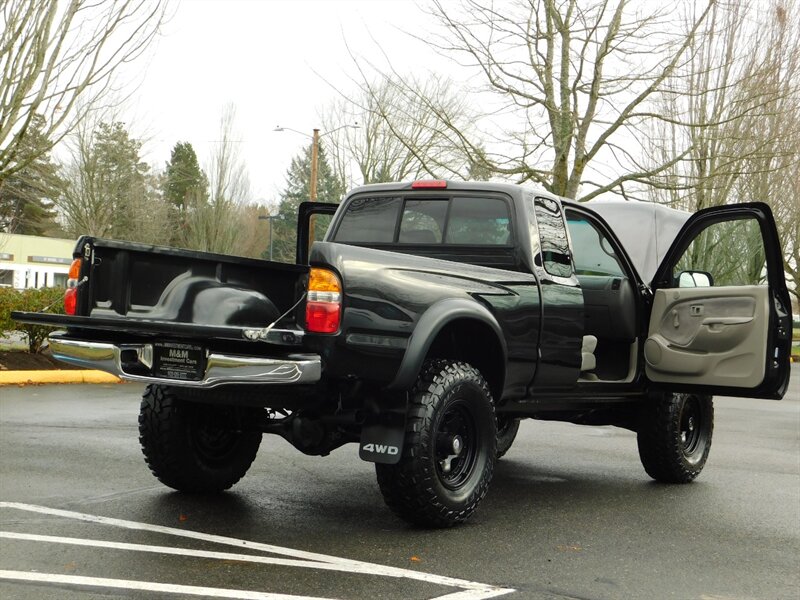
(313, 191)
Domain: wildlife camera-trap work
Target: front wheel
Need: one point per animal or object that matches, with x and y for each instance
(194, 447)
(507, 428)
(449, 452)
(674, 436)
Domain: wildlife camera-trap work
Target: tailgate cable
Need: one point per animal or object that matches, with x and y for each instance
(76, 286)
(261, 334)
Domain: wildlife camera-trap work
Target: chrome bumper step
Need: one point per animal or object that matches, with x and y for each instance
(220, 369)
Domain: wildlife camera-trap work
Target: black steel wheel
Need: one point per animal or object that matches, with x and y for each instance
(456, 451)
(195, 447)
(507, 428)
(674, 436)
(449, 451)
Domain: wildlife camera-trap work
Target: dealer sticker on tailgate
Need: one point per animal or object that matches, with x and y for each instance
(178, 361)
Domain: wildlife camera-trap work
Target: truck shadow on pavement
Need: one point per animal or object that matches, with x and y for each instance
(521, 494)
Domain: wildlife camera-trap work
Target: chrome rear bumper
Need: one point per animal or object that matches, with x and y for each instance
(220, 368)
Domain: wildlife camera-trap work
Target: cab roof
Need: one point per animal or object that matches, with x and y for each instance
(645, 229)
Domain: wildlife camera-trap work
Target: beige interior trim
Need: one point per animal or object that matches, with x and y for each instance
(708, 336)
(633, 354)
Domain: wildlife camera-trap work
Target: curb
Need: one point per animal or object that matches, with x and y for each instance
(56, 376)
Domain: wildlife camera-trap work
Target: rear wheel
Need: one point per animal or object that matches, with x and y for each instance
(194, 447)
(674, 436)
(449, 451)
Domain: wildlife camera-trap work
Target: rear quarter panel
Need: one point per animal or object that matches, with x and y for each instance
(387, 293)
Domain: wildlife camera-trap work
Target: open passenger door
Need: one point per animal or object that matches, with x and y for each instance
(720, 321)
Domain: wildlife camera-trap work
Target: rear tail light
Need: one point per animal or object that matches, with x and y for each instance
(323, 302)
(71, 295)
(71, 301)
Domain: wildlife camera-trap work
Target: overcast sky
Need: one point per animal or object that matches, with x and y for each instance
(267, 58)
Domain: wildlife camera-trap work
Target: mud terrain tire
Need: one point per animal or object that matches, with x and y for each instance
(194, 447)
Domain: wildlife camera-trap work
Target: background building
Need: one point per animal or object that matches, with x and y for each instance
(30, 261)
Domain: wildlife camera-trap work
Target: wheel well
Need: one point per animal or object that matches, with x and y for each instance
(476, 343)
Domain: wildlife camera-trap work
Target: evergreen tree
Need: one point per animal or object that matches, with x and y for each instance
(121, 172)
(27, 195)
(185, 189)
(185, 182)
(298, 187)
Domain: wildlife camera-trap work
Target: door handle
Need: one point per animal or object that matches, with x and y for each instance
(711, 321)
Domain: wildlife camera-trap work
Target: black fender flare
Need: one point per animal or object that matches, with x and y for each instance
(428, 327)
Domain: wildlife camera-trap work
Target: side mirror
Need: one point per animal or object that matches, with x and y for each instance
(687, 279)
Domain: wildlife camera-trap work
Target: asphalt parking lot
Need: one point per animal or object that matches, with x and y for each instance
(570, 515)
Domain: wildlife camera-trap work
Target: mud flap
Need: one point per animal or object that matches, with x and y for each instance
(383, 432)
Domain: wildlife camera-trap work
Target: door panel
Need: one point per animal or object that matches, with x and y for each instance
(733, 336)
(708, 336)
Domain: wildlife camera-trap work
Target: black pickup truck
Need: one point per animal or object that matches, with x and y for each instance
(432, 318)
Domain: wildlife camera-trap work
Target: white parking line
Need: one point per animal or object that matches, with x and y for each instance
(470, 590)
(146, 586)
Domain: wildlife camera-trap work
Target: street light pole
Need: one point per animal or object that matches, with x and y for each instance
(314, 165)
(270, 239)
(269, 218)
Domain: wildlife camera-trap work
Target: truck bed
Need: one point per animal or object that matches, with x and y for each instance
(142, 290)
(163, 314)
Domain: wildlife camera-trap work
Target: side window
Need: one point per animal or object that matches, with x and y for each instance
(554, 256)
(369, 220)
(592, 253)
(423, 222)
(728, 253)
(478, 221)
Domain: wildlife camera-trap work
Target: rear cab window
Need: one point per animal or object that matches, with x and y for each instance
(479, 221)
(423, 222)
(455, 220)
(369, 220)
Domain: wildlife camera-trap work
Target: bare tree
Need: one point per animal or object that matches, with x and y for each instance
(571, 82)
(109, 191)
(253, 237)
(399, 137)
(779, 184)
(736, 106)
(58, 58)
(214, 225)
(726, 106)
(773, 174)
(83, 207)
